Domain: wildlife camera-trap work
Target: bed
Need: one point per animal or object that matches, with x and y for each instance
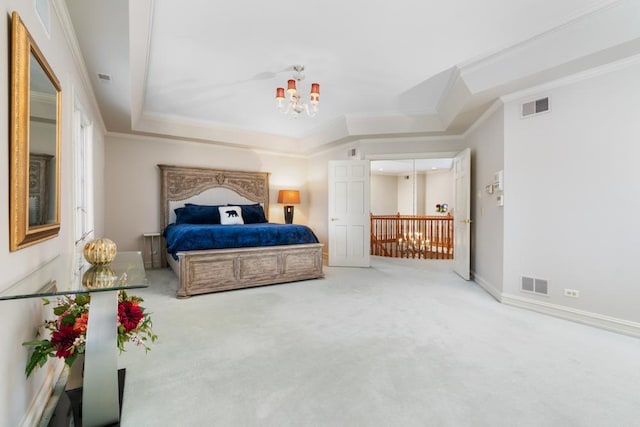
(204, 268)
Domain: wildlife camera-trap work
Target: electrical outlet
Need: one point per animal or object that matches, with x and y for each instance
(573, 293)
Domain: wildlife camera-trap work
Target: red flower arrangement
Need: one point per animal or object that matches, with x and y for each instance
(69, 330)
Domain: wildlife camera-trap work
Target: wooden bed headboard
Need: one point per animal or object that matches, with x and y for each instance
(180, 183)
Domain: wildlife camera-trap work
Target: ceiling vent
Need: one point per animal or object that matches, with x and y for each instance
(535, 107)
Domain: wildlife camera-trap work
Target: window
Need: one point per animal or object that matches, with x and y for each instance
(83, 147)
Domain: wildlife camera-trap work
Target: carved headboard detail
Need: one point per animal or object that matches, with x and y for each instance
(180, 183)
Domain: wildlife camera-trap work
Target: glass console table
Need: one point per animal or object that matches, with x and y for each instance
(64, 276)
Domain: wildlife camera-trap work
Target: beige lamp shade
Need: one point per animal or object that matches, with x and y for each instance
(289, 197)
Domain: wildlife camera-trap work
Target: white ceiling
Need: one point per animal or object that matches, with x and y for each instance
(207, 70)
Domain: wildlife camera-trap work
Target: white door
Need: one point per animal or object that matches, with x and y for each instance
(462, 216)
(348, 202)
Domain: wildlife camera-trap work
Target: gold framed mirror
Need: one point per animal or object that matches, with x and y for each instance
(34, 169)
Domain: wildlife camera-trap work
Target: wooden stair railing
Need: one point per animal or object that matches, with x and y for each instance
(378, 247)
(412, 236)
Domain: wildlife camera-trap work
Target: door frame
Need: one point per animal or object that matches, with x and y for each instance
(424, 155)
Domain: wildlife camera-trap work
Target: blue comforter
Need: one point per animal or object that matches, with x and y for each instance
(186, 237)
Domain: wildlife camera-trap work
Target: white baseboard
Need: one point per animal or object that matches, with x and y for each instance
(39, 402)
(593, 319)
(585, 317)
(487, 286)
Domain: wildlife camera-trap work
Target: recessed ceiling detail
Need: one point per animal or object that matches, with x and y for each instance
(207, 70)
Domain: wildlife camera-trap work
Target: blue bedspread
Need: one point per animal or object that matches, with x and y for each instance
(186, 237)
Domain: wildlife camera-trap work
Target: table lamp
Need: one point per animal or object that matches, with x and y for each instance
(288, 198)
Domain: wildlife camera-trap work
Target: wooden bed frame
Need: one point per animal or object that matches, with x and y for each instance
(214, 270)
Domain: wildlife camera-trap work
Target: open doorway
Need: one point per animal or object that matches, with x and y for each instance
(412, 206)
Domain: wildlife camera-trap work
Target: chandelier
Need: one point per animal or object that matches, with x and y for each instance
(413, 245)
(294, 104)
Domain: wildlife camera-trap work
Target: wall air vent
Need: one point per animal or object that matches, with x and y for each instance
(104, 77)
(535, 107)
(536, 286)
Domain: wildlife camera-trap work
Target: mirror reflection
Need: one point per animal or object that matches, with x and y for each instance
(42, 146)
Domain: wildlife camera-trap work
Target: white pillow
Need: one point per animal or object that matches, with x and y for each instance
(230, 215)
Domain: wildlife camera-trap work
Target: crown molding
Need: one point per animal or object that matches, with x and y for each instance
(572, 79)
(140, 21)
(426, 138)
(413, 155)
(589, 40)
(499, 53)
(179, 127)
(152, 137)
(497, 104)
(453, 80)
(62, 14)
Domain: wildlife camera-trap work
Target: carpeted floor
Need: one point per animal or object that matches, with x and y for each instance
(403, 343)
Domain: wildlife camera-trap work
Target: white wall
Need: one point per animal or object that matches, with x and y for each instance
(391, 194)
(19, 318)
(439, 190)
(132, 193)
(421, 193)
(406, 194)
(486, 141)
(571, 193)
(384, 191)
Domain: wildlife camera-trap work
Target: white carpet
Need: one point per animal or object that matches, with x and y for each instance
(403, 343)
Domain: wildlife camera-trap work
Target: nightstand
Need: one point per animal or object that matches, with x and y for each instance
(151, 250)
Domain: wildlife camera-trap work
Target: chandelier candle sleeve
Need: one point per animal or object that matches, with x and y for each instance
(291, 87)
(315, 94)
(288, 198)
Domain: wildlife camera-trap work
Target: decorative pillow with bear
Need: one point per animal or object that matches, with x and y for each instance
(252, 214)
(230, 215)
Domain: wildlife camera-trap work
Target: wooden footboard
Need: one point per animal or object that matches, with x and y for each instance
(225, 269)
